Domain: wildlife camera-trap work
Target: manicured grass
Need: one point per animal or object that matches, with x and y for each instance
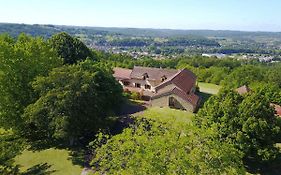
(209, 88)
(168, 115)
(58, 160)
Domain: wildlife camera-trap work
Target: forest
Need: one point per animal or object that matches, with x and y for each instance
(57, 92)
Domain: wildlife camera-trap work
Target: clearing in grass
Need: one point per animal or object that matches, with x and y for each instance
(167, 114)
(209, 88)
(49, 161)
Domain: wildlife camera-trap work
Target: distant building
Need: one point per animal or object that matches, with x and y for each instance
(243, 90)
(165, 87)
(218, 55)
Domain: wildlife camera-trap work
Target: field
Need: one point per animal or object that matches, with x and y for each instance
(209, 88)
(168, 114)
(49, 161)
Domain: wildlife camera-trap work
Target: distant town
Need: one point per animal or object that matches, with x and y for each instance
(161, 43)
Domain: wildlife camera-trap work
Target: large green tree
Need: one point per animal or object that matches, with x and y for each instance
(244, 75)
(151, 147)
(69, 48)
(21, 60)
(247, 121)
(75, 101)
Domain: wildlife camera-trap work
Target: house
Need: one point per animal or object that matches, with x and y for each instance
(165, 87)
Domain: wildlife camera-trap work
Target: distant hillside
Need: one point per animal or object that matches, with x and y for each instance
(48, 30)
(161, 42)
(45, 30)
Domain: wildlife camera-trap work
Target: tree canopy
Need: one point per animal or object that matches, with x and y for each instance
(21, 60)
(69, 48)
(74, 102)
(248, 121)
(152, 147)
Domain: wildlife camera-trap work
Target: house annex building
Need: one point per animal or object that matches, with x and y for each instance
(164, 87)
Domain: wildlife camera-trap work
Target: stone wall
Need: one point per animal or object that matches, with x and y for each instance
(160, 102)
(187, 106)
(164, 102)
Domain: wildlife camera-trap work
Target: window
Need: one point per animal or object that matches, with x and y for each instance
(147, 86)
(163, 78)
(137, 85)
(145, 76)
(126, 83)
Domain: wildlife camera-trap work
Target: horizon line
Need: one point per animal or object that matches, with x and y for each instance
(150, 28)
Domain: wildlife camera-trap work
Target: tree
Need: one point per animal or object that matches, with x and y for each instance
(270, 91)
(70, 49)
(21, 60)
(152, 147)
(273, 75)
(244, 75)
(75, 101)
(247, 121)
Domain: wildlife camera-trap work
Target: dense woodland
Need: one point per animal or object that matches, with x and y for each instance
(58, 92)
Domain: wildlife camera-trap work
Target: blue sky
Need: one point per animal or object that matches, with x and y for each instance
(250, 15)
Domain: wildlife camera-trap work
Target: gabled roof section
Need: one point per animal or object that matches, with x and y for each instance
(191, 98)
(154, 74)
(121, 73)
(243, 90)
(184, 80)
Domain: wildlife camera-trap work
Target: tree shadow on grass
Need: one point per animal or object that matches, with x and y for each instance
(130, 107)
(270, 168)
(39, 145)
(204, 97)
(78, 156)
(39, 169)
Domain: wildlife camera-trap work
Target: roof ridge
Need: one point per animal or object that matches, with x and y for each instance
(160, 68)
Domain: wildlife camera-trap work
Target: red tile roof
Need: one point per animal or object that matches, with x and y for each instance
(192, 98)
(184, 80)
(121, 73)
(243, 90)
(154, 74)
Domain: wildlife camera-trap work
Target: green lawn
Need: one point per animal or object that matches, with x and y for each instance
(57, 161)
(168, 114)
(208, 88)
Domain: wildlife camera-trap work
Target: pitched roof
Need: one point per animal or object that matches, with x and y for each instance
(191, 98)
(121, 73)
(154, 74)
(184, 80)
(243, 90)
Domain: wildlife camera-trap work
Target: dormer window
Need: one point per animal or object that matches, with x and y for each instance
(163, 78)
(145, 76)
